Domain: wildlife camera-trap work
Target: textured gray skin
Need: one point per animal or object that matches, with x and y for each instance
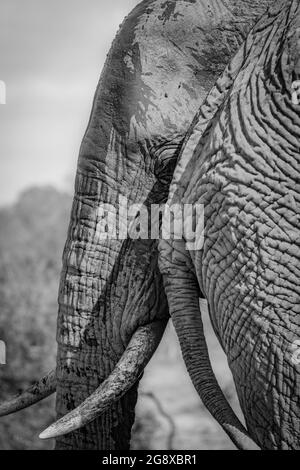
(162, 63)
(241, 160)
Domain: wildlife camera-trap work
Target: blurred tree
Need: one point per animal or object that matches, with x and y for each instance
(32, 236)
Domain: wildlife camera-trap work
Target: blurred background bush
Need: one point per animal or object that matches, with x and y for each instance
(169, 412)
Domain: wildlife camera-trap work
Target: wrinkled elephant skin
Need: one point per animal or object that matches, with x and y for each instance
(241, 162)
(162, 63)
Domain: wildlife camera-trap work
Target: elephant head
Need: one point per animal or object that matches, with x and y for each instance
(112, 304)
(240, 161)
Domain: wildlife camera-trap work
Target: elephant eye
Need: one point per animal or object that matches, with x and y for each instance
(164, 170)
(165, 161)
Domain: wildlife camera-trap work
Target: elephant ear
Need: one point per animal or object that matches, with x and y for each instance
(180, 280)
(212, 106)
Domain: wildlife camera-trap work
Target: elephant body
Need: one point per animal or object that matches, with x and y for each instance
(162, 63)
(243, 166)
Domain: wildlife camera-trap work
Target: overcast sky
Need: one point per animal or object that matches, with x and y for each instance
(51, 56)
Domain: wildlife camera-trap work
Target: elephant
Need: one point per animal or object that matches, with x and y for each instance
(113, 306)
(240, 162)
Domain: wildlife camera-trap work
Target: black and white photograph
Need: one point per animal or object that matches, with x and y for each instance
(149, 228)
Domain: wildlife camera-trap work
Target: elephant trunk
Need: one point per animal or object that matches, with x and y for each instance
(183, 296)
(103, 281)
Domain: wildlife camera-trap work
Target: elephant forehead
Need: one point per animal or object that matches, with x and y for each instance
(167, 55)
(162, 63)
